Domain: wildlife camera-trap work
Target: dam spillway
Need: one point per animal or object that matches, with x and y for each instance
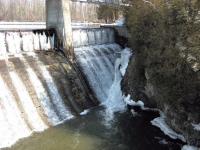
(42, 89)
(36, 83)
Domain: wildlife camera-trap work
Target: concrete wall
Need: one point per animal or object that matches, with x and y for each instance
(54, 16)
(58, 16)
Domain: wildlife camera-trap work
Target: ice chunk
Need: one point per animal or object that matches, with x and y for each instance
(160, 123)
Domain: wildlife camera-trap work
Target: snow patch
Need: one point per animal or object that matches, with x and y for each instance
(188, 147)
(160, 123)
(130, 102)
(196, 126)
(85, 112)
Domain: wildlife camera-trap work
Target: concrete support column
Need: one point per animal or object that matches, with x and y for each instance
(68, 37)
(58, 16)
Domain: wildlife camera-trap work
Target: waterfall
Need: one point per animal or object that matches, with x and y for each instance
(21, 111)
(98, 72)
(18, 42)
(31, 99)
(104, 63)
(12, 125)
(95, 36)
(105, 77)
(33, 117)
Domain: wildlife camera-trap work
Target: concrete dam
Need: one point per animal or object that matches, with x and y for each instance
(40, 87)
(61, 87)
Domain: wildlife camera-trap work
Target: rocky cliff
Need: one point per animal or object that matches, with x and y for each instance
(165, 69)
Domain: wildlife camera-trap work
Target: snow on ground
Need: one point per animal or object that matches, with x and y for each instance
(130, 102)
(188, 147)
(196, 126)
(85, 112)
(160, 123)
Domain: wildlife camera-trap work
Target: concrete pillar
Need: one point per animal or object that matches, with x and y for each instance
(68, 38)
(58, 16)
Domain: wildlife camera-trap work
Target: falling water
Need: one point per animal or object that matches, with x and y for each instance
(12, 126)
(34, 118)
(54, 93)
(104, 64)
(97, 55)
(42, 95)
(18, 42)
(19, 114)
(96, 36)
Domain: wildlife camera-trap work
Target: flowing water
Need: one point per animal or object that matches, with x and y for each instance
(109, 126)
(89, 132)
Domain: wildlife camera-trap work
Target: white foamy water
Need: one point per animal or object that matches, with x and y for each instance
(44, 42)
(33, 117)
(27, 42)
(42, 95)
(12, 126)
(104, 67)
(13, 45)
(98, 67)
(2, 44)
(57, 100)
(115, 100)
(89, 37)
(18, 42)
(100, 63)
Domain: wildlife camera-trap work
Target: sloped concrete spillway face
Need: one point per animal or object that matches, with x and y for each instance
(37, 87)
(41, 89)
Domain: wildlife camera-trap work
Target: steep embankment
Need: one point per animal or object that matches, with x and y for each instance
(164, 71)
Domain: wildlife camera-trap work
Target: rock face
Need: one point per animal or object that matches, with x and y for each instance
(181, 106)
(164, 72)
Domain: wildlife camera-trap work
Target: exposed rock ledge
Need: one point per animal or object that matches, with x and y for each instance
(165, 70)
(178, 99)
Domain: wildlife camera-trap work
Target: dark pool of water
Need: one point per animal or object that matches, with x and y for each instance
(94, 132)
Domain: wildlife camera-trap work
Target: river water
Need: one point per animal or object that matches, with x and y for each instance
(93, 132)
(110, 126)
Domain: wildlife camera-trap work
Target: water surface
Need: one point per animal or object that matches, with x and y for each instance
(94, 132)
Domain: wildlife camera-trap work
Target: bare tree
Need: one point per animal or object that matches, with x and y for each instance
(22, 10)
